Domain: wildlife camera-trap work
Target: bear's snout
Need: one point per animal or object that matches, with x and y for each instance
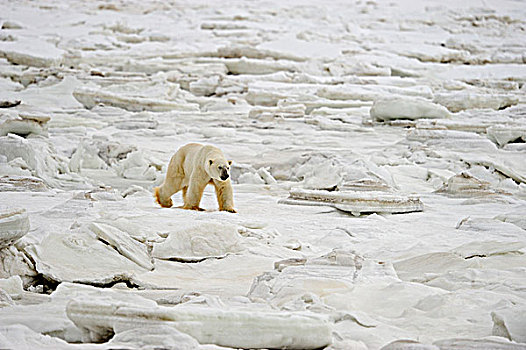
(224, 175)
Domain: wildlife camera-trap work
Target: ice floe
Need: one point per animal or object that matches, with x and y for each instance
(459, 101)
(356, 202)
(25, 124)
(406, 108)
(232, 328)
(102, 264)
(509, 323)
(90, 98)
(200, 241)
(502, 135)
(125, 244)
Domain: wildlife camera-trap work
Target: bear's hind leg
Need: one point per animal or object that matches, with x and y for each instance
(185, 190)
(163, 193)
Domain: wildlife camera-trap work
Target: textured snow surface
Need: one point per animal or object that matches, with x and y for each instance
(379, 174)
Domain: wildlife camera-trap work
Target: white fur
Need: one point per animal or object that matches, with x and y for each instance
(191, 168)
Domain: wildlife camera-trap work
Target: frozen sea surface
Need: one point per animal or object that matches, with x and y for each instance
(379, 174)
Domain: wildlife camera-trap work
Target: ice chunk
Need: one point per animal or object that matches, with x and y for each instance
(25, 124)
(231, 328)
(356, 202)
(90, 98)
(12, 286)
(205, 86)
(453, 140)
(18, 336)
(291, 47)
(229, 276)
(492, 227)
(503, 135)
(14, 224)
(200, 241)
(470, 125)
(365, 185)
(281, 111)
(510, 323)
(126, 245)
(320, 174)
(112, 152)
(86, 156)
(135, 166)
(482, 265)
(429, 53)
(245, 65)
(137, 121)
(23, 52)
(239, 51)
(38, 154)
(518, 219)
(238, 169)
(342, 283)
(406, 108)
(488, 248)
(501, 163)
(459, 101)
(264, 97)
(331, 273)
(419, 268)
(356, 68)
(5, 300)
(493, 84)
(329, 124)
(48, 318)
(210, 132)
(153, 337)
(424, 135)
(59, 257)
(14, 262)
(137, 231)
(372, 92)
(266, 176)
(465, 185)
(250, 178)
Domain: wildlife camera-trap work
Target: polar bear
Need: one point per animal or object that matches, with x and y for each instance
(191, 168)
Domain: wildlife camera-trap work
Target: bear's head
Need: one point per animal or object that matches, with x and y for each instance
(219, 169)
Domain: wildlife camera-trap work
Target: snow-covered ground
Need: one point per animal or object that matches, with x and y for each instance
(379, 174)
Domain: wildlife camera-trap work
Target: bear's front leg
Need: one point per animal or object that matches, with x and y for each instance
(194, 194)
(225, 195)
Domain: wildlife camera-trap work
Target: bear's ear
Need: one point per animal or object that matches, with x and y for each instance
(210, 161)
(229, 162)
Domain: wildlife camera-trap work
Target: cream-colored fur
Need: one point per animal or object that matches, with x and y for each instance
(191, 168)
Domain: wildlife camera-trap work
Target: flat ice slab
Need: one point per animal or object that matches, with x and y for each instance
(406, 108)
(356, 202)
(232, 328)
